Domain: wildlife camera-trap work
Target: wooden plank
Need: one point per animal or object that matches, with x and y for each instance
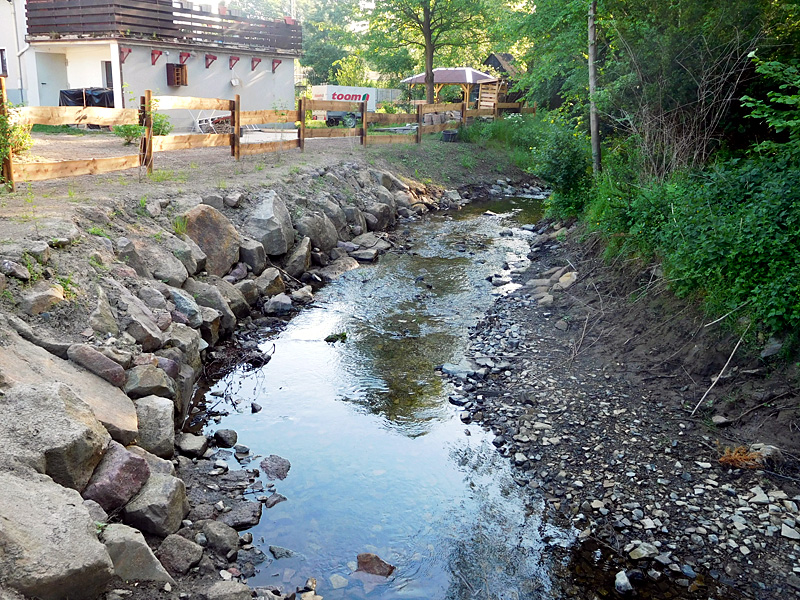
(432, 108)
(191, 103)
(73, 168)
(438, 127)
(509, 105)
(387, 118)
(480, 112)
(301, 131)
(162, 143)
(76, 115)
(331, 133)
(528, 110)
(263, 148)
(262, 117)
(364, 123)
(394, 138)
(333, 105)
(146, 109)
(236, 122)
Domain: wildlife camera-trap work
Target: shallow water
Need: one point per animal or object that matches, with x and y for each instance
(380, 460)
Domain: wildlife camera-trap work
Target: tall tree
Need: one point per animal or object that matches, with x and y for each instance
(328, 37)
(430, 25)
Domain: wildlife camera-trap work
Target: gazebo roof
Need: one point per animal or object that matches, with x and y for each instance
(454, 75)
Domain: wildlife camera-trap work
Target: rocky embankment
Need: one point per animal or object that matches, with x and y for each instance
(613, 448)
(109, 316)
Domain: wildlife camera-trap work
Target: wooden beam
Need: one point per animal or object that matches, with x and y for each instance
(388, 118)
(263, 148)
(438, 127)
(334, 132)
(147, 141)
(419, 123)
(435, 108)
(162, 143)
(236, 127)
(480, 112)
(76, 115)
(73, 168)
(301, 131)
(262, 117)
(192, 103)
(394, 138)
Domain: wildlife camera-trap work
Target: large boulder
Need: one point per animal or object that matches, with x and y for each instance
(178, 554)
(149, 380)
(102, 319)
(117, 479)
(221, 537)
(149, 259)
(271, 224)
(207, 295)
(22, 362)
(270, 282)
(383, 213)
(51, 430)
(337, 268)
(186, 305)
(252, 253)
(333, 211)
(156, 464)
(319, 228)
(132, 557)
(156, 425)
(159, 507)
(234, 298)
(355, 218)
(188, 341)
(186, 251)
(299, 260)
(216, 236)
(49, 542)
(43, 296)
(135, 317)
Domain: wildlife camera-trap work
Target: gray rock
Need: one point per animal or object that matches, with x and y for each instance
(156, 464)
(216, 236)
(135, 316)
(228, 590)
(319, 229)
(214, 201)
(337, 268)
(644, 550)
(50, 548)
(102, 319)
(278, 305)
(178, 554)
(118, 478)
(271, 224)
(233, 199)
(133, 560)
(221, 537)
(149, 259)
(96, 512)
(371, 241)
(355, 218)
(304, 295)
(191, 445)
(374, 565)
(13, 269)
(186, 251)
(365, 255)
(622, 584)
(156, 425)
(152, 297)
(159, 507)
(280, 552)
(22, 362)
(210, 296)
(275, 467)
(252, 253)
(270, 282)
(333, 212)
(149, 380)
(51, 430)
(242, 515)
(383, 214)
(226, 438)
(233, 297)
(249, 291)
(211, 325)
(299, 260)
(186, 305)
(188, 341)
(97, 363)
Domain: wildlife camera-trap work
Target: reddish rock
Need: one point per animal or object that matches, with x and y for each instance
(117, 479)
(374, 565)
(216, 236)
(97, 363)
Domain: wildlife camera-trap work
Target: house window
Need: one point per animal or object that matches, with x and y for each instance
(177, 75)
(108, 78)
(3, 63)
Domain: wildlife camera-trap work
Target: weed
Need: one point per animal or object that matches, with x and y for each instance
(96, 264)
(222, 184)
(7, 295)
(158, 236)
(193, 165)
(161, 175)
(70, 288)
(95, 230)
(179, 225)
(259, 166)
(468, 162)
(741, 458)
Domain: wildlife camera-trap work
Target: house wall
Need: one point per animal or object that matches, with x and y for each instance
(12, 28)
(259, 89)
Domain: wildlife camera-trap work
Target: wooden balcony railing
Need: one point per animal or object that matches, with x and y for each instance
(158, 20)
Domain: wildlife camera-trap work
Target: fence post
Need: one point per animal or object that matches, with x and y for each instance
(236, 130)
(419, 123)
(146, 154)
(464, 113)
(7, 171)
(496, 115)
(301, 131)
(364, 124)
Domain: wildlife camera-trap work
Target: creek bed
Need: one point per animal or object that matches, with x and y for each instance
(380, 459)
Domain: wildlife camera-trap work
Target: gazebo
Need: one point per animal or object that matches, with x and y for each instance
(465, 77)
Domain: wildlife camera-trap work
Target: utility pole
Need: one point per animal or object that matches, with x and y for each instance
(594, 125)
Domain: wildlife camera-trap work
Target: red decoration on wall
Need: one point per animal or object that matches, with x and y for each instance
(123, 54)
(154, 56)
(275, 63)
(232, 61)
(254, 62)
(210, 58)
(185, 56)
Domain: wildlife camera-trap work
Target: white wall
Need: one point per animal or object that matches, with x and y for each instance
(15, 83)
(85, 65)
(259, 89)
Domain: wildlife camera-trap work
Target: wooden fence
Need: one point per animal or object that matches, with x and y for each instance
(237, 119)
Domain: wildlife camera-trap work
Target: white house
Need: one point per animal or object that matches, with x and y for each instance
(170, 47)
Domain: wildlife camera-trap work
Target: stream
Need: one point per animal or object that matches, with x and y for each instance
(380, 461)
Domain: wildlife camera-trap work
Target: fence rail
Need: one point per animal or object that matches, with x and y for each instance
(429, 118)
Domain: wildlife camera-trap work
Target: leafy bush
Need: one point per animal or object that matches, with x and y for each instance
(161, 124)
(18, 135)
(128, 132)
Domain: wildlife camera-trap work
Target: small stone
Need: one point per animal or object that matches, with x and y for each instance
(225, 438)
(789, 532)
(622, 584)
(644, 550)
(279, 552)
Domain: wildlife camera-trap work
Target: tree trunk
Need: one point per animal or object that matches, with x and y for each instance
(594, 125)
(426, 32)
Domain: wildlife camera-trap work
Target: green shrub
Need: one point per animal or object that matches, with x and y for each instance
(128, 132)
(161, 124)
(18, 135)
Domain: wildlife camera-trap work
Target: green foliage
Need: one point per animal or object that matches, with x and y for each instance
(65, 129)
(14, 137)
(781, 110)
(161, 124)
(129, 133)
(180, 225)
(351, 70)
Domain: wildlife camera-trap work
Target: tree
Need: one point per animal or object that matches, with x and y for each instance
(351, 70)
(430, 25)
(327, 38)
